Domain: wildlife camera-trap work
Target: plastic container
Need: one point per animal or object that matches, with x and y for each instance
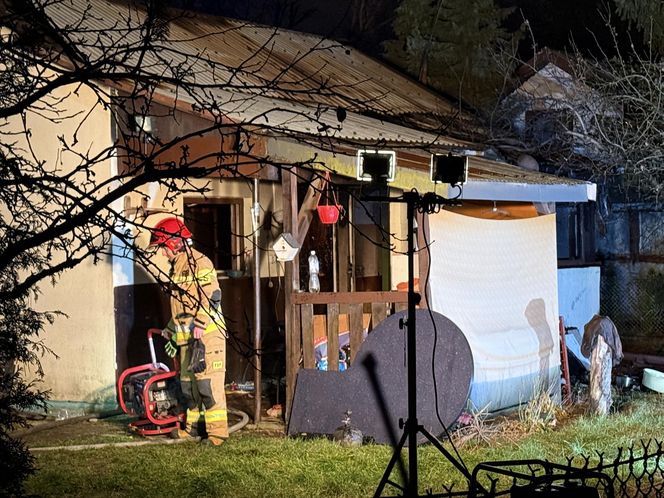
(314, 268)
(328, 214)
(653, 379)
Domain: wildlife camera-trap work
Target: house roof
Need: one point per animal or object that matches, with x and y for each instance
(541, 59)
(497, 181)
(290, 82)
(488, 180)
(253, 69)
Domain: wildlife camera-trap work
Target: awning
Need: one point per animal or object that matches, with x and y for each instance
(487, 180)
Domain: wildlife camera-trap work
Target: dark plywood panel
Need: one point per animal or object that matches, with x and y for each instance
(322, 397)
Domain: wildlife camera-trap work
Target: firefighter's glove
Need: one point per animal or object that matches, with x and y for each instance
(171, 348)
(197, 362)
(197, 332)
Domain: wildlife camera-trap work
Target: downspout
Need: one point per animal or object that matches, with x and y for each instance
(255, 212)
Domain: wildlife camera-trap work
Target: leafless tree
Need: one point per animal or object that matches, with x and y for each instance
(58, 203)
(599, 118)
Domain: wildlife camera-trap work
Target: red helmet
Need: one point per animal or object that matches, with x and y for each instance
(171, 232)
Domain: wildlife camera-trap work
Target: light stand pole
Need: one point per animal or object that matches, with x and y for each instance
(412, 427)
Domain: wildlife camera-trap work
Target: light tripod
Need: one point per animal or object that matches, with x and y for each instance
(411, 427)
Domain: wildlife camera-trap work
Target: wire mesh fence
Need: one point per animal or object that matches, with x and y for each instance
(633, 297)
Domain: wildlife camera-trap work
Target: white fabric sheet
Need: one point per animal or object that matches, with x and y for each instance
(497, 280)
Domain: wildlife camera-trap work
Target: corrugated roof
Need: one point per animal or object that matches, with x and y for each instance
(292, 83)
(496, 181)
(268, 63)
(487, 179)
(481, 169)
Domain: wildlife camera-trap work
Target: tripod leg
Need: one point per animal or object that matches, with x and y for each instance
(462, 468)
(388, 470)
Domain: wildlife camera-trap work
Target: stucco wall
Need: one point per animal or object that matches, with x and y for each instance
(84, 340)
(82, 376)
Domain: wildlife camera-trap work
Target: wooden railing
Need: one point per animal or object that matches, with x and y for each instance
(364, 310)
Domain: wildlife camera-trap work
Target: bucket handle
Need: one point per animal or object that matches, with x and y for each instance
(326, 190)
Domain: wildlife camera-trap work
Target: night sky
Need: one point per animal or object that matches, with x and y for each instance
(553, 22)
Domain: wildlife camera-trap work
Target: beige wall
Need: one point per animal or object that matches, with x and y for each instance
(84, 340)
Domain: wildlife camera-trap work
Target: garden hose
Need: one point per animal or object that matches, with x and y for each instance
(244, 420)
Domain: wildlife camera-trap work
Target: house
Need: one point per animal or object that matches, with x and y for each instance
(614, 245)
(302, 107)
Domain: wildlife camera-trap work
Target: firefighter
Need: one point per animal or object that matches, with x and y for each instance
(197, 330)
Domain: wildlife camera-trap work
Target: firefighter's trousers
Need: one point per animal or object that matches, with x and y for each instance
(204, 392)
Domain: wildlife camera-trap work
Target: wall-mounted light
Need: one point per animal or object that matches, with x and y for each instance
(447, 168)
(376, 166)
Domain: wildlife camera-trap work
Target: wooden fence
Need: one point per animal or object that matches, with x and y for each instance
(326, 310)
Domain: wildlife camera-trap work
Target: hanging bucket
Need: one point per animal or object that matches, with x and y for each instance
(328, 214)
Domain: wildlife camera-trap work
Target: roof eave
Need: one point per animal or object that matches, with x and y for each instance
(529, 192)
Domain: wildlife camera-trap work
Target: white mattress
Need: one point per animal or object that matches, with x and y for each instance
(497, 280)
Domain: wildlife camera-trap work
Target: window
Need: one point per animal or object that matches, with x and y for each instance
(574, 234)
(217, 231)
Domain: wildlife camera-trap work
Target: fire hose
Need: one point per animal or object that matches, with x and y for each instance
(244, 420)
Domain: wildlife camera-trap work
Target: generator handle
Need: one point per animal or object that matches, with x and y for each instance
(153, 356)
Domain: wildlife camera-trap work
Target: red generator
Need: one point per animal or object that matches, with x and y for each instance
(152, 393)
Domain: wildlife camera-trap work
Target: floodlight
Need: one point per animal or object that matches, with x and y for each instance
(446, 168)
(376, 166)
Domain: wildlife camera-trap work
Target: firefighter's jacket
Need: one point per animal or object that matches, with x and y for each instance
(195, 296)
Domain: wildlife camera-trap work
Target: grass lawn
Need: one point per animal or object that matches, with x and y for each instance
(254, 464)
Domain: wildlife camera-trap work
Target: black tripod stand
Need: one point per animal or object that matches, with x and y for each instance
(412, 427)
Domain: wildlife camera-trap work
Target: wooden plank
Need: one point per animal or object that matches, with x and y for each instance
(378, 313)
(401, 306)
(343, 258)
(350, 297)
(332, 336)
(291, 286)
(296, 352)
(356, 329)
(423, 238)
(307, 322)
(307, 209)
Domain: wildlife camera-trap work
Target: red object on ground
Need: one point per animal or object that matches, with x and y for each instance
(147, 392)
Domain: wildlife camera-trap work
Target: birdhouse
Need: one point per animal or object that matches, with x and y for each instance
(285, 247)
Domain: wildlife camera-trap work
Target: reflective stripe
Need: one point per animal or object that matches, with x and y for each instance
(206, 276)
(183, 334)
(193, 415)
(217, 321)
(216, 415)
(203, 277)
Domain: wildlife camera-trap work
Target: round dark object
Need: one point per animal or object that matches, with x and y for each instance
(442, 351)
(375, 387)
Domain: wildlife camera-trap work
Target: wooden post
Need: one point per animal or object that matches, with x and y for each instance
(307, 328)
(356, 330)
(333, 336)
(423, 237)
(291, 285)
